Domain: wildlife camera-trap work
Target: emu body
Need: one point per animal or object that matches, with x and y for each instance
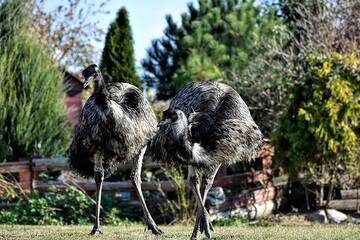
(207, 125)
(115, 126)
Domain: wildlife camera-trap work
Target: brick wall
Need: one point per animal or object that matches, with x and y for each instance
(73, 107)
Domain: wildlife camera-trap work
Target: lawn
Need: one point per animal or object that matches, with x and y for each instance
(328, 232)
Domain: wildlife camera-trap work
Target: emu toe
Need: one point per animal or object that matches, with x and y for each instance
(153, 228)
(206, 225)
(95, 231)
(196, 233)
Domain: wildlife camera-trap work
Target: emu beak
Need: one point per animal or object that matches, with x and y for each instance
(164, 122)
(86, 82)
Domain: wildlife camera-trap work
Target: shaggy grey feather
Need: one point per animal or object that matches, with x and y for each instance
(115, 126)
(207, 123)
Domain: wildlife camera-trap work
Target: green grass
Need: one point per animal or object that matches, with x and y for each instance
(317, 232)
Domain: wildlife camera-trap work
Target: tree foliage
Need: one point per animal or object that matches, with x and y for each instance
(117, 63)
(214, 40)
(321, 125)
(321, 26)
(228, 41)
(69, 28)
(318, 132)
(32, 116)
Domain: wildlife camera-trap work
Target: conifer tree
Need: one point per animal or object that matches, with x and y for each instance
(118, 63)
(32, 112)
(213, 40)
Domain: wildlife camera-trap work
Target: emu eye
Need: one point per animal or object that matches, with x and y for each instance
(170, 114)
(174, 117)
(89, 71)
(166, 114)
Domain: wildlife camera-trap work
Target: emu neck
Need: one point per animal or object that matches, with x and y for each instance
(181, 134)
(99, 85)
(180, 128)
(100, 88)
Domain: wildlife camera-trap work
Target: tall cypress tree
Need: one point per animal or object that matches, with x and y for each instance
(118, 63)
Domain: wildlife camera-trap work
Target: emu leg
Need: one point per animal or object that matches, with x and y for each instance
(209, 179)
(136, 179)
(204, 218)
(99, 179)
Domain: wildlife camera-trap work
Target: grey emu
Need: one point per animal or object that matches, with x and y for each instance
(115, 126)
(206, 125)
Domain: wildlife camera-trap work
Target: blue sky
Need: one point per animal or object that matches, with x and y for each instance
(147, 18)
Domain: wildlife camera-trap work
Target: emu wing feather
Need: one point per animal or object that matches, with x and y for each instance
(220, 127)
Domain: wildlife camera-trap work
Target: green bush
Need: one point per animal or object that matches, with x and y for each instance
(165, 207)
(68, 207)
(8, 217)
(177, 206)
(36, 211)
(126, 211)
(75, 206)
(231, 221)
(319, 132)
(112, 218)
(32, 113)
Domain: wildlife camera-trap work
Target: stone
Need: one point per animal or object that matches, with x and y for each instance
(319, 216)
(336, 216)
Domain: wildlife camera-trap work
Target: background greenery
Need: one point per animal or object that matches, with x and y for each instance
(295, 63)
(71, 206)
(118, 63)
(223, 41)
(32, 116)
(212, 41)
(321, 125)
(68, 207)
(317, 132)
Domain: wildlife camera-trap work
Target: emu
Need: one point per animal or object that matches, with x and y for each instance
(115, 126)
(207, 125)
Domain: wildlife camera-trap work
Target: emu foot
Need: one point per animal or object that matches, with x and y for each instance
(195, 235)
(205, 224)
(95, 231)
(196, 232)
(150, 225)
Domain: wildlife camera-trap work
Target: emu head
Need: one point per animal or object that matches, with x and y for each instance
(176, 120)
(92, 73)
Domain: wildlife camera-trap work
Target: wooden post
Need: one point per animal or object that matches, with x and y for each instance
(266, 153)
(222, 172)
(25, 180)
(23, 169)
(133, 196)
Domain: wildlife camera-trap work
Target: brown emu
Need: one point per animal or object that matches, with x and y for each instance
(206, 125)
(115, 126)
